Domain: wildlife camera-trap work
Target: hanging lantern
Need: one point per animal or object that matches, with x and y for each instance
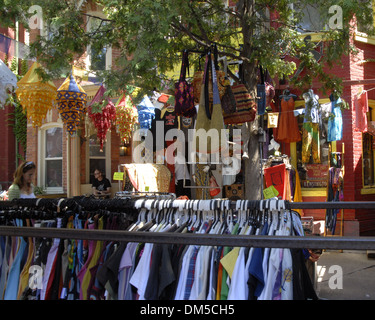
(102, 113)
(35, 96)
(126, 117)
(71, 101)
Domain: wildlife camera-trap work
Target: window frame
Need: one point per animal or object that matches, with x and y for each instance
(368, 189)
(108, 55)
(106, 157)
(42, 167)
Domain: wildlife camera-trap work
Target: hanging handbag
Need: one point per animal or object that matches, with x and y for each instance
(198, 78)
(209, 118)
(228, 101)
(245, 106)
(184, 95)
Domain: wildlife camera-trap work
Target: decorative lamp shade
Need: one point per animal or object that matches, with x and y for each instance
(126, 117)
(71, 101)
(35, 96)
(8, 82)
(102, 113)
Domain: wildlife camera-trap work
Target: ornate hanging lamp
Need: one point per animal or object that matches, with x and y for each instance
(102, 113)
(71, 101)
(36, 97)
(126, 117)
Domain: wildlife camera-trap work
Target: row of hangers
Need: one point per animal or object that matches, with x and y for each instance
(192, 213)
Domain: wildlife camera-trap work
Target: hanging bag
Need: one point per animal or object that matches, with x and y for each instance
(210, 118)
(198, 80)
(246, 107)
(228, 101)
(184, 95)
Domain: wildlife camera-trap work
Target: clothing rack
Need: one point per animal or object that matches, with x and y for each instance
(145, 194)
(347, 243)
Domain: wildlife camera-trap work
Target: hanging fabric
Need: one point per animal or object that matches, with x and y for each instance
(199, 76)
(361, 108)
(335, 121)
(311, 128)
(184, 95)
(36, 97)
(102, 113)
(126, 117)
(71, 104)
(208, 118)
(109, 270)
(275, 176)
(288, 130)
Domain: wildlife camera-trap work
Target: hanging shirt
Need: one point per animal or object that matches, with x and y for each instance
(361, 108)
(11, 289)
(50, 262)
(311, 107)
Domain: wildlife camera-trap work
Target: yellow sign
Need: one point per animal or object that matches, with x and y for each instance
(270, 192)
(118, 176)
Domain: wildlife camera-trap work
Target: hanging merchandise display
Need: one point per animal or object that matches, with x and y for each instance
(210, 119)
(184, 95)
(138, 268)
(310, 129)
(146, 112)
(126, 117)
(288, 130)
(199, 77)
(360, 105)
(228, 101)
(275, 176)
(335, 119)
(71, 103)
(36, 97)
(246, 107)
(8, 82)
(102, 113)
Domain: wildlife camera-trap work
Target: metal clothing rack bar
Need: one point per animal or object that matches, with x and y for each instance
(347, 243)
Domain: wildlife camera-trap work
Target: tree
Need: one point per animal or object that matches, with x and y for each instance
(151, 34)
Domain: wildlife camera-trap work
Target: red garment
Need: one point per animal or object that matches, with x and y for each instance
(288, 130)
(276, 176)
(361, 109)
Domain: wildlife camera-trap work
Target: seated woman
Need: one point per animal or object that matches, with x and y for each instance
(22, 186)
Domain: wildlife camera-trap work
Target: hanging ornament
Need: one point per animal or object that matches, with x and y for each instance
(102, 113)
(71, 101)
(126, 117)
(36, 97)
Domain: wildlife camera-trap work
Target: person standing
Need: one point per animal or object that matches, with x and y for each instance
(22, 186)
(101, 186)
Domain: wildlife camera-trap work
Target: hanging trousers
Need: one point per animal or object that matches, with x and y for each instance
(310, 142)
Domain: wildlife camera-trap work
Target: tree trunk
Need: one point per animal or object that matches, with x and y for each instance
(252, 164)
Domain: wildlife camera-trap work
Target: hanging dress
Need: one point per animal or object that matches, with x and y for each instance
(335, 122)
(288, 130)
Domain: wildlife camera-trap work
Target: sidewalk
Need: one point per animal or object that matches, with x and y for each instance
(347, 275)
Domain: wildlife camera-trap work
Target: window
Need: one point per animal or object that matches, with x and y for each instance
(97, 58)
(97, 158)
(310, 19)
(368, 149)
(51, 175)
